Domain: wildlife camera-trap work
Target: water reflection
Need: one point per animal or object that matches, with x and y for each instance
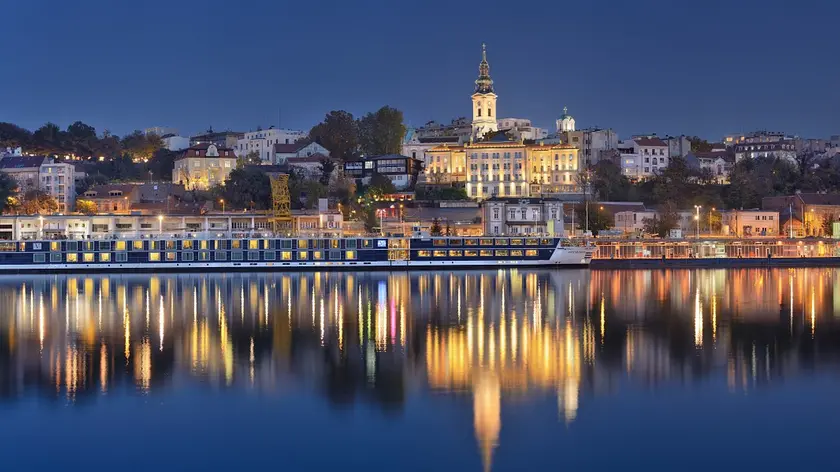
(380, 338)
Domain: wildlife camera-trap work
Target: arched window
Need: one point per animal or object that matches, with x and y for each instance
(479, 112)
(489, 112)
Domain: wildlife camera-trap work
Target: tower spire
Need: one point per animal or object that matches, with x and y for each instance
(484, 84)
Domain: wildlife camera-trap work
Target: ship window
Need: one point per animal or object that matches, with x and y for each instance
(269, 255)
(545, 242)
(221, 244)
(302, 255)
(204, 256)
(187, 244)
(317, 255)
(486, 242)
(253, 255)
(104, 257)
(350, 255)
(516, 253)
(171, 244)
(439, 242)
(470, 242)
(154, 256)
(137, 245)
(88, 257)
(55, 257)
(220, 256)
(204, 244)
(424, 253)
(515, 242)
(455, 253)
(486, 253)
(285, 243)
(367, 243)
(71, 246)
(532, 242)
(501, 242)
(335, 244)
(236, 244)
(172, 256)
(350, 244)
(9, 247)
(88, 245)
(439, 253)
(120, 245)
(122, 257)
(236, 255)
(335, 255)
(55, 246)
(267, 244)
(286, 255)
(531, 253)
(154, 245)
(187, 256)
(455, 242)
(470, 253)
(72, 257)
(39, 257)
(501, 253)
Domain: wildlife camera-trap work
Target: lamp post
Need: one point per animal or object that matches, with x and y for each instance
(381, 227)
(402, 220)
(41, 219)
(160, 221)
(222, 201)
(697, 220)
(710, 220)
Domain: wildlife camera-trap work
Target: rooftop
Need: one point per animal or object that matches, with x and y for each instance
(21, 162)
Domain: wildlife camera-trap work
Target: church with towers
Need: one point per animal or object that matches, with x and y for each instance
(484, 100)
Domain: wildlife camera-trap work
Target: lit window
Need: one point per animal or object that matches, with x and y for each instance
(516, 253)
(515, 242)
(303, 244)
(137, 245)
(439, 242)
(286, 255)
(532, 242)
(254, 244)
(501, 242)
(318, 255)
(470, 242)
(188, 244)
(454, 253)
(204, 244)
(154, 257)
(439, 253)
(55, 246)
(486, 242)
(350, 255)
(501, 253)
(72, 257)
(335, 244)
(486, 253)
(120, 245)
(105, 257)
(88, 257)
(424, 253)
(302, 255)
(236, 244)
(171, 256)
(470, 253)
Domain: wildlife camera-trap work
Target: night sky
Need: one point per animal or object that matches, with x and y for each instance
(641, 66)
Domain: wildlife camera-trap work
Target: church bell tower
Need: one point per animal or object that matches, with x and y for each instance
(483, 100)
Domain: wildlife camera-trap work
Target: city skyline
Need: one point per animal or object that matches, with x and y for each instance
(162, 74)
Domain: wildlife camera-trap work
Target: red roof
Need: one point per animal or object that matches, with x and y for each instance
(650, 142)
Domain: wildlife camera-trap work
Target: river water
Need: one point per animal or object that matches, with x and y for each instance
(481, 370)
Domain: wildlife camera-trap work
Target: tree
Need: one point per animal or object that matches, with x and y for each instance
(608, 181)
(13, 136)
(248, 188)
(162, 163)
(252, 158)
(326, 168)
(676, 184)
(108, 146)
(381, 132)
(662, 223)
(699, 144)
(81, 139)
(447, 230)
(48, 140)
(435, 230)
(140, 146)
(599, 220)
(342, 187)
(339, 133)
(86, 207)
(36, 202)
(382, 184)
(827, 223)
(8, 188)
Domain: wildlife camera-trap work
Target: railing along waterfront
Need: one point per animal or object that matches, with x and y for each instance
(709, 248)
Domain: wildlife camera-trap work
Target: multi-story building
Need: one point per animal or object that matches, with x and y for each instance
(289, 152)
(678, 146)
(417, 147)
(25, 170)
(748, 223)
(113, 198)
(765, 144)
(402, 171)
(262, 142)
(805, 214)
(175, 143)
(718, 164)
(521, 129)
(523, 216)
(592, 142)
(203, 166)
(460, 128)
(57, 181)
(643, 157)
(220, 139)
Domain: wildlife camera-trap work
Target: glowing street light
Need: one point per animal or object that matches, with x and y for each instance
(160, 221)
(222, 201)
(697, 220)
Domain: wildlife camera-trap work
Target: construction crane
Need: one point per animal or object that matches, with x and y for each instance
(281, 204)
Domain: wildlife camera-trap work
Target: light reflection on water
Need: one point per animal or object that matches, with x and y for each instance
(501, 337)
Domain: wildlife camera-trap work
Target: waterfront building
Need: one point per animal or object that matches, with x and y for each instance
(515, 216)
(749, 223)
(805, 214)
(203, 166)
(484, 100)
(220, 139)
(262, 142)
(402, 171)
(298, 150)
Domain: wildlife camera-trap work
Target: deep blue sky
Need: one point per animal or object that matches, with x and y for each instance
(642, 66)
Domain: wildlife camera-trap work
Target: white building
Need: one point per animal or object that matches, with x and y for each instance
(765, 144)
(291, 151)
(592, 142)
(747, 223)
(566, 122)
(520, 128)
(643, 157)
(523, 216)
(678, 146)
(176, 143)
(58, 181)
(203, 166)
(483, 100)
(262, 142)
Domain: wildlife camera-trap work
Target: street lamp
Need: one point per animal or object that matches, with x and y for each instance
(222, 201)
(381, 228)
(160, 220)
(710, 219)
(41, 219)
(697, 220)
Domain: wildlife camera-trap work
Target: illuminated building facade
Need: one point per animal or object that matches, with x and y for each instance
(203, 166)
